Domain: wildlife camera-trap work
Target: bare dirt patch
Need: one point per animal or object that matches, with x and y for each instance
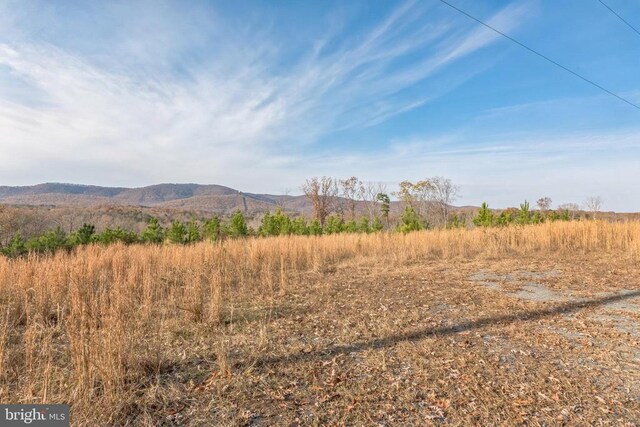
(435, 343)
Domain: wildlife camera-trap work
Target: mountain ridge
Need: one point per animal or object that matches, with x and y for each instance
(188, 196)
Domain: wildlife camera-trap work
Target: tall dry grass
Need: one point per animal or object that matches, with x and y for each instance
(88, 328)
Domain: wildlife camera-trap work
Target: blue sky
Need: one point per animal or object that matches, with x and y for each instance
(261, 95)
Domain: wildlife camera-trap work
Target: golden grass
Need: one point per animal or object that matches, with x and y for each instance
(89, 328)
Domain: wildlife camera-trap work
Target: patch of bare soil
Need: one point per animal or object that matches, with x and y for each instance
(459, 342)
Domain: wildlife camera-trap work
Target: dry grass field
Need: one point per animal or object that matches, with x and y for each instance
(536, 325)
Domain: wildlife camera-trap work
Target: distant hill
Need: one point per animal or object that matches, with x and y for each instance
(192, 197)
(58, 188)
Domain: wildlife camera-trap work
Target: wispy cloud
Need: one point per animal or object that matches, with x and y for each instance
(232, 118)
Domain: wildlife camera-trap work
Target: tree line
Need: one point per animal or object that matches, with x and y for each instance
(177, 232)
(429, 199)
(426, 204)
(339, 206)
(485, 217)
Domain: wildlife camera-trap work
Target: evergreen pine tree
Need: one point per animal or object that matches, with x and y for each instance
(299, 226)
(177, 232)
(212, 229)
(193, 232)
(377, 224)
(153, 232)
(315, 228)
(364, 226)
(524, 214)
(484, 217)
(238, 225)
(16, 246)
(83, 236)
(385, 206)
(409, 220)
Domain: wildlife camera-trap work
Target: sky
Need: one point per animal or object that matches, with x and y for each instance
(260, 95)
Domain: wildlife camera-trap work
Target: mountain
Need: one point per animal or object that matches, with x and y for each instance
(58, 188)
(209, 198)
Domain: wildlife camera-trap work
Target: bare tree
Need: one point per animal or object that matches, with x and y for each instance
(416, 195)
(68, 219)
(281, 202)
(28, 221)
(444, 193)
(350, 188)
(322, 193)
(544, 203)
(423, 191)
(572, 208)
(593, 205)
(368, 193)
(405, 194)
(6, 225)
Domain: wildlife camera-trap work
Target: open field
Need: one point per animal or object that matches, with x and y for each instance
(536, 325)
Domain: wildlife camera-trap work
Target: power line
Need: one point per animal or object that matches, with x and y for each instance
(591, 82)
(620, 17)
